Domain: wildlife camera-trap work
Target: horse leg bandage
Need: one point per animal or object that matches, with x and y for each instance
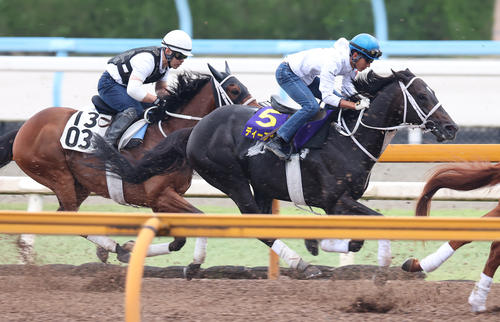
(434, 260)
(158, 249)
(200, 250)
(335, 245)
(103, 241)
(285, 253)
(384, 253)
(479, 294)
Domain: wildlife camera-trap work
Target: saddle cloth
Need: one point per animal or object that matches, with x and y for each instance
(267, 120)
(77, 134)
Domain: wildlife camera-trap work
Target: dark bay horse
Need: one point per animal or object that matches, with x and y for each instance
(37, 150)
(334, 177)
(462, 177)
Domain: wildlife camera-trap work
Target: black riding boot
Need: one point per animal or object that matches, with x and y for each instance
(120, 123)
(280, 147)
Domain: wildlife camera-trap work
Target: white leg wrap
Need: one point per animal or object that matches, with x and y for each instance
(103, 241)
(335, 245)
(200, 250)
(285, 253)
(434, 260)
(158, 249)
(384, 253)
(478, 296)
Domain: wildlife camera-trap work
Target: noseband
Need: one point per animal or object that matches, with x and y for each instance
(222, 95)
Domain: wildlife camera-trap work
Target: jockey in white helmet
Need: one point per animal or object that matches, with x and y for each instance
(121, 85)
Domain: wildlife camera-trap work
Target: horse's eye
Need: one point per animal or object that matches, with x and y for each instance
(235, 92)
(421, 97)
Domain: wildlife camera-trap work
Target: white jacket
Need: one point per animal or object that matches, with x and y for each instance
(327, 63)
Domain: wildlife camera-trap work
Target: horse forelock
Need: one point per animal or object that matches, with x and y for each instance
(187, 86)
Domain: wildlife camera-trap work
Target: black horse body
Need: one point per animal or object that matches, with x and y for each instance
(334, 177)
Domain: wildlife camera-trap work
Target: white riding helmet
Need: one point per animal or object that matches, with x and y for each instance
(178, 40)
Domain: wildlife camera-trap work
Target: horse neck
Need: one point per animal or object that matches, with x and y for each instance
(199, 106)
(383, 113)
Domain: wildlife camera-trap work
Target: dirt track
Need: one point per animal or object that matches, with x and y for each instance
(64, 293)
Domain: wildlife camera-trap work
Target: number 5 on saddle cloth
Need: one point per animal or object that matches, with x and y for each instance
(267, 120)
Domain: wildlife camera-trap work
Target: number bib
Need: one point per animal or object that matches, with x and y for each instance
(77, 134)
(262, 123)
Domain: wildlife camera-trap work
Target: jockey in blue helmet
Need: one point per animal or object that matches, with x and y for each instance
(310, 74)
(367, 46)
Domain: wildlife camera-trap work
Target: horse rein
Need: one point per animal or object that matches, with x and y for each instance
(342, 128)
(222, 99)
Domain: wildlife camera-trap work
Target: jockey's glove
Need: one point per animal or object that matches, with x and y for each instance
(363, 103)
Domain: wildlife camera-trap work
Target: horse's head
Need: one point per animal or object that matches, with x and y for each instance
(422, 107)
(236, 91)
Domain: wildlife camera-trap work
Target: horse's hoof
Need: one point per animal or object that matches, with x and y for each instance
(312, 246)
(191, 271)
(102, 254)
(129, 246)
(308, 270)
(411, 265)
(122, 255)
(312, 271)
(355, 245)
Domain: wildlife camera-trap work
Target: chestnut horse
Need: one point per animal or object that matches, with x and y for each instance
(463, 177)
(37, 150)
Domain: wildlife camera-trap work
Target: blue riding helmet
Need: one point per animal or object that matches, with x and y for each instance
(367, 45)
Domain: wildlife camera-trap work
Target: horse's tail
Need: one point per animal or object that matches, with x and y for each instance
(463, 177)
(6, 143)
(168, 156)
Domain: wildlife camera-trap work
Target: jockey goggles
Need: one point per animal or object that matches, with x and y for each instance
(178, 55)
(370, 54)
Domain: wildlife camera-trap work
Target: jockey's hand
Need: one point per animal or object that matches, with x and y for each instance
(363, 103)
(155, 114)
(160, 102)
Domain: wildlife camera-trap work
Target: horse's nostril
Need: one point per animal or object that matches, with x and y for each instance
(451, 128)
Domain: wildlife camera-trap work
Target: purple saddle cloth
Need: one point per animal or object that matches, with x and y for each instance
(267, 119)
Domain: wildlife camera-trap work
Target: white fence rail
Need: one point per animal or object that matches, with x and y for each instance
(458, 83)
(16, 185)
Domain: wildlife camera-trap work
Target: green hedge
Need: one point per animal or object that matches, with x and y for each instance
(243, 19)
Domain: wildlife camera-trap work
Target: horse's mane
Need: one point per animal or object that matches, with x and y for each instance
(369, 84)
(187, 86)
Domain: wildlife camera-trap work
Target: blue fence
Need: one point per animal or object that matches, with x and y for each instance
(263, 47)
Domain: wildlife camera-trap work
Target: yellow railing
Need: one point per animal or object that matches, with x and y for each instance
(251, 226)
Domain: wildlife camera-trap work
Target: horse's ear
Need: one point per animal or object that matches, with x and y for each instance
(228, 71)
(215, 73)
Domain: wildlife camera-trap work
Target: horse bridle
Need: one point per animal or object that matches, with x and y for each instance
(222, 98)
(342, 128)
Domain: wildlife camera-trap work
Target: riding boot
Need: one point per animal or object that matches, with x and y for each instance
(280, 147)
(120, 123)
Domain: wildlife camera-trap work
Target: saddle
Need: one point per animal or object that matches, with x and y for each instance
(312, 135)
(132, 130)
(101, 106)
